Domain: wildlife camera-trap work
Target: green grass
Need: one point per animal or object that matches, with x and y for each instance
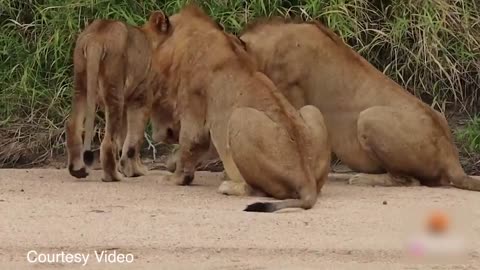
(470, 135)
(430, 46)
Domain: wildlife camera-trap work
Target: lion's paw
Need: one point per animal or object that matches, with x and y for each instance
(127, 167)
(361, 179)
(115, 177)
(140, 169)
(232, 188)
(224, 187)
(225, 176)
(180, 180)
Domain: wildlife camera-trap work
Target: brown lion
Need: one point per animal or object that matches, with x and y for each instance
(264, 143)
(374, 125)
(112, 68)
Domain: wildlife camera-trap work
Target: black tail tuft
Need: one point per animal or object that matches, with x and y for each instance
(261, 207)
(88, 157)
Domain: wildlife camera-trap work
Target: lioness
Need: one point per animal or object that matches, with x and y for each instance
(261, 139)
(374, 125)
(112, 63)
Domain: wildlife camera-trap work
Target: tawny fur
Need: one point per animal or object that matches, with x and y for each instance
(264, 143)
(112, 69)
(374, 125)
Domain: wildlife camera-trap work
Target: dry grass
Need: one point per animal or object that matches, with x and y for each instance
(430, 46)
(25, 145)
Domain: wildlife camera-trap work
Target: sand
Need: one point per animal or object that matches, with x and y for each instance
(164, 226)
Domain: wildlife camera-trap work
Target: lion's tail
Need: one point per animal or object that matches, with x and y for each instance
(93, 53)
(308, 198)
(467, 182)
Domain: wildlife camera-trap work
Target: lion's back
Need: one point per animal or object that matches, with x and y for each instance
(110, 34)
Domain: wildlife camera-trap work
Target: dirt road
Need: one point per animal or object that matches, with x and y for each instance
(164, 226)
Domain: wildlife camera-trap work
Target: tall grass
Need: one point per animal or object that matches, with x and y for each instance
(470, 135)
(469, 138)
(430, 46)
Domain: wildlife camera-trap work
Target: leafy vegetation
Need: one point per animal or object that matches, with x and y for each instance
(432, 47)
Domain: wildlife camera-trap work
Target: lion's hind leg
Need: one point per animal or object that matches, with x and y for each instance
(406, 142)
(74, 127)
(130, 161)
(264, 154)
(112, 91)
(319, 146)
(108, 148)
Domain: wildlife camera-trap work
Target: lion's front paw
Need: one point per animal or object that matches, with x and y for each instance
(140, 169)
(181, 180)
(233, 188)
(385, 180)
(224, 187)
(187, 179)
(171, 165)
(114, 177)
(360, 179)
(127, 167)
(225, 176)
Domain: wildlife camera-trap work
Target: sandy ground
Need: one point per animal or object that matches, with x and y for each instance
(170, 227)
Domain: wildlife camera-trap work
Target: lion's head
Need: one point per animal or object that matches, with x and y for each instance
(168, 35)
(158, 29)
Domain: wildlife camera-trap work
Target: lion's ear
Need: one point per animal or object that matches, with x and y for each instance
(220, 26)
(244, 45)
(160, 21)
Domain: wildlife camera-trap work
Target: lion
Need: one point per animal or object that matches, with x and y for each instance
(112, 68)
(375, 126)
(265, 144)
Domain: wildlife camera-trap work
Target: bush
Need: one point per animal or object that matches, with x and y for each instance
(430, 46)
